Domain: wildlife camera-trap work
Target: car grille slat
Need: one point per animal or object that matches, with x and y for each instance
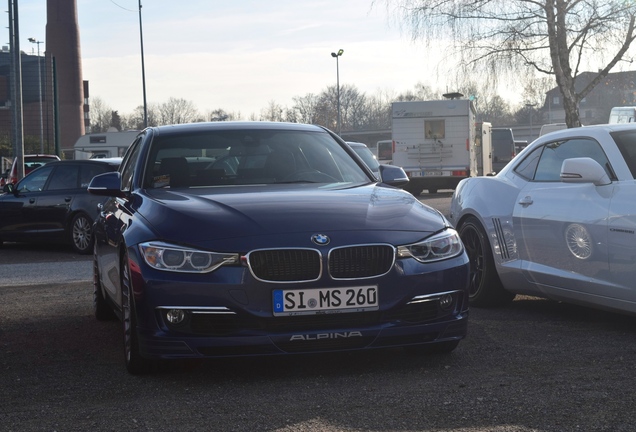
(361, 261)
(285, 265)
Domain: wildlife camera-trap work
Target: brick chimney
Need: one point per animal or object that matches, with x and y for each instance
(63, 45)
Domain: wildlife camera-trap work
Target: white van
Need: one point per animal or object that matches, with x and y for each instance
(547, 128)
(626, 114)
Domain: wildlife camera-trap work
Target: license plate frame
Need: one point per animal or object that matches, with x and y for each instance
(315, 301)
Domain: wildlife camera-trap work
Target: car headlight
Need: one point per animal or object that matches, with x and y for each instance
(438, 247)
(167, 257)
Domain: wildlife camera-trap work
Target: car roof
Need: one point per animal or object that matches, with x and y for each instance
(588, 130)
(105, 161)
(232, 126)
(356, 144)
(41, 156)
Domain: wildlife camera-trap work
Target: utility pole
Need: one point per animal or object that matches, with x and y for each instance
(16, 87)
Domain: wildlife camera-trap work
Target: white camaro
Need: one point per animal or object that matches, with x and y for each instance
(559, 221)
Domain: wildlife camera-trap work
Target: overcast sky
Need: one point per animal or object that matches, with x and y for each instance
(237, 55)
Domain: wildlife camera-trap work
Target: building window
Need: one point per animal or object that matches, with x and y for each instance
(555, 100)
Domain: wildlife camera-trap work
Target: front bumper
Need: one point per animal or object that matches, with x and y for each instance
(232, 315)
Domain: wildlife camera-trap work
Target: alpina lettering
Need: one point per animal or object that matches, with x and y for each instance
(319, 336)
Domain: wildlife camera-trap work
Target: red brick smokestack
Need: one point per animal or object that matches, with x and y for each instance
(63, 44)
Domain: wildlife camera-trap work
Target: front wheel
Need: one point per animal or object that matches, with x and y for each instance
(485, 288)
(135, 363)
(81, 233)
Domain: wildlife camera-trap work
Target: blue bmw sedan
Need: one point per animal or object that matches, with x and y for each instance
(252, 238)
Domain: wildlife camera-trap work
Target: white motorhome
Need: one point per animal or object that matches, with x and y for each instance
(103, 145)
(438, 143)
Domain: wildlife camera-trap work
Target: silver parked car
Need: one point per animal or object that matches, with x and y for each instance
(559, 221)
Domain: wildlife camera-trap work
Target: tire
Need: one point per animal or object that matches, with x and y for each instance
(135, 363)
(103, 311)
(434, 348)
(486, 289)
(81, 233)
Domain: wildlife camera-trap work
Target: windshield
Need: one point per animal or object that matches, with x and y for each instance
(239, 157)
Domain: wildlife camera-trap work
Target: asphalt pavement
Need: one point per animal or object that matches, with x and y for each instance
(532, 366)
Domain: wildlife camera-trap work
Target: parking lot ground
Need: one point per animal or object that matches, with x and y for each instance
(535, 365)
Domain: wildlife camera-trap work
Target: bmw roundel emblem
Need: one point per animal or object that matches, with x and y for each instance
(320, 239)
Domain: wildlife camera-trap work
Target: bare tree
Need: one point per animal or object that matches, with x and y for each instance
(535, 89)
(221, 115)
(305, 109)
(135, 120)
(100, 115)
(176, 111)
(352, 108)
(554, 37)
(490, 106)
(379, 110)
(421, 92)
(273, 112)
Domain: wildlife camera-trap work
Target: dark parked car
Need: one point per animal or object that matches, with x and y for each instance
(51, 204)
(229, 239)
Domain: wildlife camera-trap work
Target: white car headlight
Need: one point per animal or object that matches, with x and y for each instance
(167, 257)
(441, 246)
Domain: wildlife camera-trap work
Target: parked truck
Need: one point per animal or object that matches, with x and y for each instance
(438, 143)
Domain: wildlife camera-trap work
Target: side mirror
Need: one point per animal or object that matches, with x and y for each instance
(9, 188)
(107, 184)
(393, 175)
(584, 170)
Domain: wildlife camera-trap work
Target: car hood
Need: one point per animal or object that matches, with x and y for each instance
(198, 216)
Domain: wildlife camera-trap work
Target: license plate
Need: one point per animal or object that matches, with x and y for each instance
(433, 173)
(325, 300)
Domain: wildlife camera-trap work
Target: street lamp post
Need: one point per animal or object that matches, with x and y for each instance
(143, 68)
(337, 55)
(530, 107)
(37, 42)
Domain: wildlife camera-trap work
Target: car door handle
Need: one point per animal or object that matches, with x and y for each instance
(31, 200)
(68, 199)
(526, 201)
